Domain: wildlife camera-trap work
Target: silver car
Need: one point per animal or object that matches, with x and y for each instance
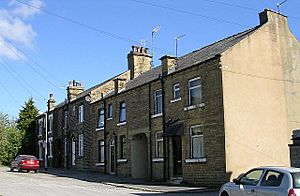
(265, 181)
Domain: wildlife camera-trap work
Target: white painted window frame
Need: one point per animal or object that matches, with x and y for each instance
(201, 135)
(156, 97)
(194, 87)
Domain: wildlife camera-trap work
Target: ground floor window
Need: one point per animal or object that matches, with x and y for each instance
(159, 145)
(50, 140)
(66, 146)
(41, 149)
(101, 151)
(80, 145)
(197, 141)
(122, 145)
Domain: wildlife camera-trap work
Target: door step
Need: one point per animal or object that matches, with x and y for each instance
(176, 180)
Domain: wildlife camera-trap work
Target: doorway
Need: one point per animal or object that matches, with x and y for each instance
(139, 156)
(177, 155)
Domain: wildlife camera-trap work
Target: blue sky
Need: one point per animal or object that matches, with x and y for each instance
(93, 46)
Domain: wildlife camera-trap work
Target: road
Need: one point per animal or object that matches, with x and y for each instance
(31, 184)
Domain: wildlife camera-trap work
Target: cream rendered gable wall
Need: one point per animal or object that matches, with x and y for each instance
(257, 98)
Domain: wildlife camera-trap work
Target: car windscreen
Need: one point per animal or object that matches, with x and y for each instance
(29, 158)
(296, 180)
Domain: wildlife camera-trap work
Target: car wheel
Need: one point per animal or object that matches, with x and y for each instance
(11, 169)
(27, 171)
(19, 169)
(36, 171)
(224, 194)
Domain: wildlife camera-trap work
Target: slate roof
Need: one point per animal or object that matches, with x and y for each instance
(193, 58)
(188, 60)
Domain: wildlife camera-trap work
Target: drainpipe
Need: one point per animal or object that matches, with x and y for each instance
(104, 133)
(46, 146)
(150, 129)
(165, 139)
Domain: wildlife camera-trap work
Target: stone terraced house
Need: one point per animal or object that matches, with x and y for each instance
(202, 118)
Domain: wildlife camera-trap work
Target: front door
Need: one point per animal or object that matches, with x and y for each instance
(177, 155)
(112, 157)
(73, 151)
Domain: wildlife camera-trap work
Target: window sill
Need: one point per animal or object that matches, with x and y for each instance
(40, 135)
(122, 161)
(99, 129)
(49, 132)
(155, 160)
(109, 118)
(121, 124)
(50, 157)
(175, 100)
(200, 160)
(201, 105)
(156, 115)
(99, 164)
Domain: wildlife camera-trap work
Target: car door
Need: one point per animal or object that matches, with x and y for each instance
(272, 184)
(247, 184)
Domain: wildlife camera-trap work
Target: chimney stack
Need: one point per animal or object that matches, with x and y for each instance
(139, 61)
(74, 89)
(51, 102)
(119, 84)
(273, 17)
(168, 64)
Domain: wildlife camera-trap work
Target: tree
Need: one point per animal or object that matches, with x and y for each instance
(10, 139)
(27, 124)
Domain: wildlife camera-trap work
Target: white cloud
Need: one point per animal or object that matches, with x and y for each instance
(25, 11)
(15, 30)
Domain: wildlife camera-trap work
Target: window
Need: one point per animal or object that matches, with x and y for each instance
(195, 92)
(122, 145)
(41, 126)
(159, 145)
(109, 111)
(158, 101)
(73, 110)
(197, 142)
(80, 114)
(66, 146)
(80, 145)
(272, 178)
(50, 123)
(122, 111)
(296, 180)
(176, 91)
(50, 147)
(40, 149)
(65, 119)
(101, 118)
(101, 151)
(251, 178)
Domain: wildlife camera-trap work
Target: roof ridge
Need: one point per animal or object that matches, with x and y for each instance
(231, 36)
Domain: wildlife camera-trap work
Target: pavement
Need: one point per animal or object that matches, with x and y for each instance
(129, 183)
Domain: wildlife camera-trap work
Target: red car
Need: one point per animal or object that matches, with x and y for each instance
(25, 162)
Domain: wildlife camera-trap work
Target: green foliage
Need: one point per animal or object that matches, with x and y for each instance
(10, 139)
(26, 123)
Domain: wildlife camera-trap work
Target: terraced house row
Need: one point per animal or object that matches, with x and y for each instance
(202, 118)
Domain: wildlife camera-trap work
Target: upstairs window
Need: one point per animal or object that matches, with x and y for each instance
(101, 118)
(122, 111)
(65, 118)
(197, 141)
(80, 145)
(41, 126)
(50, 123)
(158, 101)
(80, 114)
(176, 91)
(109, 111)
(195, 91)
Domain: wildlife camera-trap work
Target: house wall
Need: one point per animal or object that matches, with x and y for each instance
(257, 96)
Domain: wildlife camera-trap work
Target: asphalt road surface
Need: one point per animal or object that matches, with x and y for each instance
(31, 184)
